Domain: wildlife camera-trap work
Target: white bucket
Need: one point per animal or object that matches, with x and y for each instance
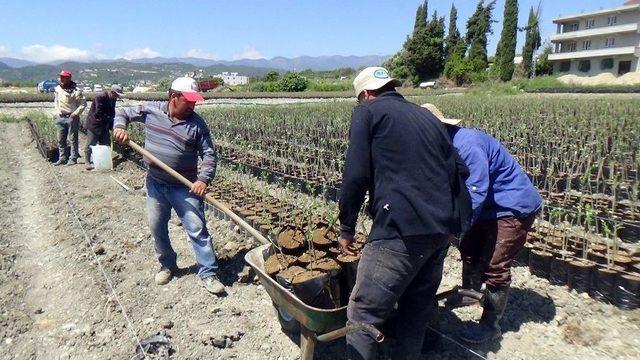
(101, 157)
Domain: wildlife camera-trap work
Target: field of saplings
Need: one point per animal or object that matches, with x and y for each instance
(581, 153)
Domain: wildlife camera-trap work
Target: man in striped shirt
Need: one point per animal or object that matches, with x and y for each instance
(177, 136)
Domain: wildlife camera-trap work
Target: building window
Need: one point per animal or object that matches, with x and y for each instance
(609, 42)
(570, 47)
(624, 67)
(612, 20)
(565, 66)
(575, 27)
(585, 66)
(586, 45)
(591, 23)
(606, 64)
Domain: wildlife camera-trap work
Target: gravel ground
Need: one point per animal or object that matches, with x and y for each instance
(56, 303)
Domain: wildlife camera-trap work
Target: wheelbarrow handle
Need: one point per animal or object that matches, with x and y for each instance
(351, 328)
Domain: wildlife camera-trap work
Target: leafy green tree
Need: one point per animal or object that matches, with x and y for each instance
(503, 66)
(163, 84)
(271, 76)
(293, 82)
(458, 68)
(397, 65)
(533, 41)
(543, 65)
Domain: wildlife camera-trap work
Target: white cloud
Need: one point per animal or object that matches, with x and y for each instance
(139, 54)
(5, 51)
(200, 54)
(249, 53)
(41, 53)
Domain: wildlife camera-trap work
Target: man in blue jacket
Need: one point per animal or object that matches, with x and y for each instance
(505, 204)
(404, 158)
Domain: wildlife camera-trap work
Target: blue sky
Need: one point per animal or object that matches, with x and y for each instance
(43, 30)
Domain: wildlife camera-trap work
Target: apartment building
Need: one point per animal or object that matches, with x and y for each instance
(596, 42)
(233, 78)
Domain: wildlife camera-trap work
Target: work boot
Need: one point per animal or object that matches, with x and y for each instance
(213, 285)
(163, 276)
(61, 161)
(495, 301)
(72, 162)
(471, 280)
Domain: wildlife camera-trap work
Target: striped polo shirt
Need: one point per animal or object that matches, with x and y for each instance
(176, 144)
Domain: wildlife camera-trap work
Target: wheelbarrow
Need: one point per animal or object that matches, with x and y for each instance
(316, 324)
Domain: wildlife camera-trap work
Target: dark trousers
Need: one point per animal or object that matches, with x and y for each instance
(490, 247)
(102, 138)
(403, 271)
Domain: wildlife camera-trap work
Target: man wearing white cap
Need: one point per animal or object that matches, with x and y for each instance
(403, 157)
(176, 135)
(504, 207)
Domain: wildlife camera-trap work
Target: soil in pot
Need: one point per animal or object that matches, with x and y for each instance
(326, 265)
(323, 237)
(278, 262)
(540, 263)
(627, 292)
(309, 256)
(603, 284)
(291, 240)
(580, 275)
(285, 277)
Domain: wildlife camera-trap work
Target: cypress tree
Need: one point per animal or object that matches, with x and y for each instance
(478, 27)
(506, 50)
(453, 37)
(532, 43)
(421, 16)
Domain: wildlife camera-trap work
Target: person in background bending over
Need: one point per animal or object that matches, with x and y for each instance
(100, 120)
(505, 204)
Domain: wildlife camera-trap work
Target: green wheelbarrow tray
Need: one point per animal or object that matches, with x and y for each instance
(315, 324)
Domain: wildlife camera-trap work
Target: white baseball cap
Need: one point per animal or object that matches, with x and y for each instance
(437, 113)
(373, 78)
(188, 87)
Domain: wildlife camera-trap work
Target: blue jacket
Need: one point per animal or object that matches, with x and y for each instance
(497, 184)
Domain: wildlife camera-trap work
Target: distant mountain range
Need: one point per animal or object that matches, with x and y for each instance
(316, 63)
(152, 69)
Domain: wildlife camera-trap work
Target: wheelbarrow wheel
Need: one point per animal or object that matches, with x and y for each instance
(288, 324)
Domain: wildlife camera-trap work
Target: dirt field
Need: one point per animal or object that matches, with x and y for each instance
(65, 231)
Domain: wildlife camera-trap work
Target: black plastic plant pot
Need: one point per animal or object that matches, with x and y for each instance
(558, 271)
(540, 263)
(579, 278)
(522, 258)
(627, 292)
(321, 291)
(347, 280)
(603, 285)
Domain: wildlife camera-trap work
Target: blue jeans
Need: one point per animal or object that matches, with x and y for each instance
(403, 271)
(161, 198)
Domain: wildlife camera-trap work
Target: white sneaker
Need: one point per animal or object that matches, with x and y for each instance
(213, 285)
(163, 276)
